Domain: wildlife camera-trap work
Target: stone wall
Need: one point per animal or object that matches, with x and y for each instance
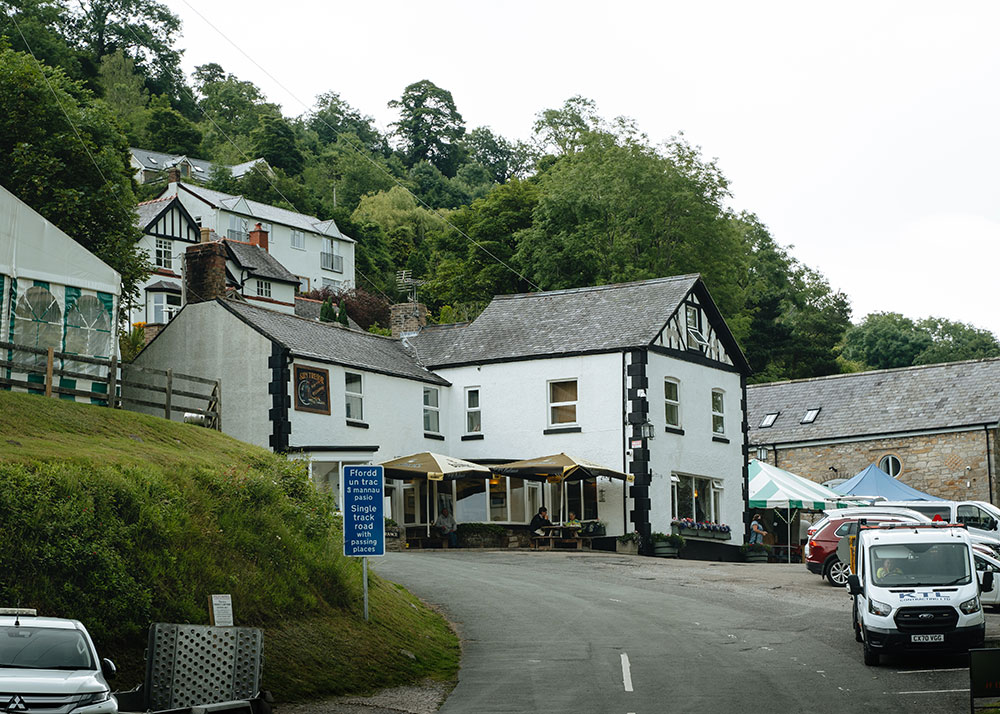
(951, 466)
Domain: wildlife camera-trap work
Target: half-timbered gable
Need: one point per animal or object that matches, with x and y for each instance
(696, 330)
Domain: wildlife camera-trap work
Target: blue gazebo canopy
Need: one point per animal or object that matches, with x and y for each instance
(873, 482)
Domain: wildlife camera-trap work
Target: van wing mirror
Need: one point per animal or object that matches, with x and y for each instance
(108, 668)
(987, 581)
(853, 584)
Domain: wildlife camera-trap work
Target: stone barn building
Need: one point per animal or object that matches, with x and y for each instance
(934, 427)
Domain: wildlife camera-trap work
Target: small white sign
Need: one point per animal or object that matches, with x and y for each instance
(636, 443)
(222, 610)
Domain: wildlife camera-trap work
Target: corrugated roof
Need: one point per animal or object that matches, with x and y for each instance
(330, 342)
(258, 261)
(927, 397)
(264, 212)
(594, 319)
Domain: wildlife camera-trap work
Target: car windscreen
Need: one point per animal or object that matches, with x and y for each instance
(931, 511)
(920, 564)
(43, 648)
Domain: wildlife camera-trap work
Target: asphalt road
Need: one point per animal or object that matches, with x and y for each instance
(594, 632)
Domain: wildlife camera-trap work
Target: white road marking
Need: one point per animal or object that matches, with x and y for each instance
(934, 691)
(926, 671)
(613, 599)
(626, 673)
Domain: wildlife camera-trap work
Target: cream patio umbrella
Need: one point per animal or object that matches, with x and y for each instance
(559, 468)
(433, 467)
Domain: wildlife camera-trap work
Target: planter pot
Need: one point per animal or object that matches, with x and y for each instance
(755, 557)
(631, 548)
(665, 550)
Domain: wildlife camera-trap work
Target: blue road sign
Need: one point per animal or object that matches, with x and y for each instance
(364, 524)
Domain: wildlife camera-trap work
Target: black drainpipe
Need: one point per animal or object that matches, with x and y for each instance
(639, 467)
(281, 427)
(625, 444)
(989, 465)
(746, 453)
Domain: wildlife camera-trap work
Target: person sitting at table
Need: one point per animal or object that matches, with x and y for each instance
(572, 520)
(540, 519)
(448, 528)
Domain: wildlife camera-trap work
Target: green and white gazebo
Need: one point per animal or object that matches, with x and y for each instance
(771, 487)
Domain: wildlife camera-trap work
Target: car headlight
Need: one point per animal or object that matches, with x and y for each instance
(94, 698)
(879, 608)
(970, 606)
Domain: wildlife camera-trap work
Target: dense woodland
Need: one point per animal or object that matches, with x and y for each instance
(586, 201)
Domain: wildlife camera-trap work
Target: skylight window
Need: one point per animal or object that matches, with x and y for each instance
(768, 420)
(151, 159)
(199, 169)
(810, 416)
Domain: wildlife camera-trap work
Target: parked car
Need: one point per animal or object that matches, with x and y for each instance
(980, 518)
(821, 548)
(51, 664)
(916, 590)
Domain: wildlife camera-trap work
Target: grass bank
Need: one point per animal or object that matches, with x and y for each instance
(121, 519)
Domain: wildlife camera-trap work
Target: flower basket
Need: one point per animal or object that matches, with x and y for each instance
(628, 548)
(755, 552)
(701, 529)
(665, 550)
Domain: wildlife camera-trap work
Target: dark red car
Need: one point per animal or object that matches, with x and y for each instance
(821, 548)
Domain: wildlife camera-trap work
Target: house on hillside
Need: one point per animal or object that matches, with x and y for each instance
(154, 166)
(643, 377)
(183, 216)
(53, 293)
(934, 427)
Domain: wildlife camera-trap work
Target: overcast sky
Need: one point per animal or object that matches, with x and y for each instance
(862, 133)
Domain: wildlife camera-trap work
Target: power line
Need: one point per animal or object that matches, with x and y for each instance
(374, 163)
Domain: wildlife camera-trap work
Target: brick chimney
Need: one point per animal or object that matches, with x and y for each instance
(173, 175)
(204, 272)
(258, 237)
(407, 318)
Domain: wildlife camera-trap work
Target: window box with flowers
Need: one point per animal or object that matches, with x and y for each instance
(667, 546)
(701, 529)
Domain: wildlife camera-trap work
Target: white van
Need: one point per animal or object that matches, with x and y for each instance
(981, 518)
(915, 589)
(50, 664)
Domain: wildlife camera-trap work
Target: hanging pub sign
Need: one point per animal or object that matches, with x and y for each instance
(312, 390)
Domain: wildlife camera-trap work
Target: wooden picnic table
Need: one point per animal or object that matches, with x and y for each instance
(559, 536)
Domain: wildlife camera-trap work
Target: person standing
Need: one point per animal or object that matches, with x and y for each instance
(449, 529)
(757, 531)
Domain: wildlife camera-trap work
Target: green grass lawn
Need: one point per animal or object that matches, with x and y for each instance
(120, 519)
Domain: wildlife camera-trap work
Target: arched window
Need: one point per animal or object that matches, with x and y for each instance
(891, 465)
(37, 323)
(88, 332)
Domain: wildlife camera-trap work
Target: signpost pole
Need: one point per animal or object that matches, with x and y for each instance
(364, 574)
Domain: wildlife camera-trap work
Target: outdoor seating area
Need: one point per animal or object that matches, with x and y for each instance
(554, 537)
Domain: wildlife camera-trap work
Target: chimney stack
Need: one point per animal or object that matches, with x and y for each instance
(204, 272)
(258, 237)
(206, 235)
(173, 175)
(407, 318)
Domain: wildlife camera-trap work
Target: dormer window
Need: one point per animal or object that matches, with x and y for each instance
(768, 420)
(810, 416)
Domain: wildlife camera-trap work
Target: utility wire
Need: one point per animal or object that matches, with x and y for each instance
(364, 155)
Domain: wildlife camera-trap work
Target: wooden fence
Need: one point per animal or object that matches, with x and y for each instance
(118, 380)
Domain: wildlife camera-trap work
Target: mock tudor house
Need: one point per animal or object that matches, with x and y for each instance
(154, 166)
(53, 293)
(274, 253)
(934, 427)
(643, 377)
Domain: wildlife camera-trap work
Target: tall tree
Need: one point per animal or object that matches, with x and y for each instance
(232, 108)
(563, 130)
(502, 158)
(884, 340)
(953, 341)
(332, 117)
(274, 141)
(169, 131)
(42, 28)
(429, 126)
(62, 153)
(125, 94)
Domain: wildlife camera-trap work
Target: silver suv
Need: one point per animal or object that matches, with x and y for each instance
(49, 665)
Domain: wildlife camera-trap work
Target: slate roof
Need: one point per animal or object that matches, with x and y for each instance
(333, 343)
(928, 397)
(560, 322)
(309, 309)
(264, 212)
(147, 211)
(258, 261)
(159, 161)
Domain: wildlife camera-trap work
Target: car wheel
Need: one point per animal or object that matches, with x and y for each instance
(837, 572)
(871, 656)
